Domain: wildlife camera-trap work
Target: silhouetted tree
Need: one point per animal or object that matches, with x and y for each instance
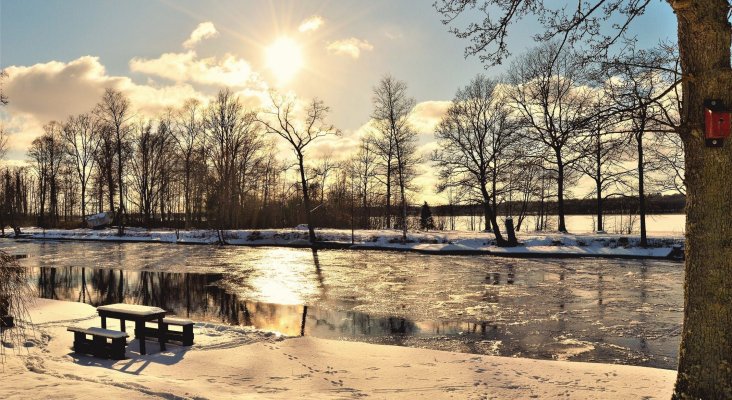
(81, 134)
(396, 139)
(281, 119)
(553, 110)
(474, 140)
(114, 110)
(426, 222)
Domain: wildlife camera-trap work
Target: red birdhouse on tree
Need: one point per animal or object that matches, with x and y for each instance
(716, 123)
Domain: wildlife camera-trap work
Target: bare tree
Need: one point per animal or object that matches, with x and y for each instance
(704, 48)
(105, 171)
(602, 162)
(47, 153)
(188, 135)
(667, 151)
(474, 139)
(396, 139)
(552, 108)
(233, 141)
(81, 134)
(364, 172)
(150, 151)
(114, 110)
(523, 180)
(634, 91)
(282, 120)
(16, 295)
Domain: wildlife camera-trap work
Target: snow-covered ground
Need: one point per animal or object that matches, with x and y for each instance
(438, 242)
(233, 362)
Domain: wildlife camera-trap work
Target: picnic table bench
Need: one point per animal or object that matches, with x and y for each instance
(104, 342)
(183, 336)
(140, 315)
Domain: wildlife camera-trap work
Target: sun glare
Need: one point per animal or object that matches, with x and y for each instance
(284, 59)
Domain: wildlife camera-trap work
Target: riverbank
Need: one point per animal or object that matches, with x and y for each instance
(233, 362)
(538, 244)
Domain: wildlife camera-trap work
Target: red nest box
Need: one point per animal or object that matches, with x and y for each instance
(717, 125)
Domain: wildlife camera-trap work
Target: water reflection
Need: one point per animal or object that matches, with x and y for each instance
(202, 298)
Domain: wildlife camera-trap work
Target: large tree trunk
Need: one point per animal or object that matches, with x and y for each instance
(491, 222)
(83, 202)
(560, 194)
(705, 356)
(388, 194)
(404, 206)
(110, 186)
(598, 182)
(641, 192)
(121, 207)
(306, 200)
(187, 194)
(600, 226)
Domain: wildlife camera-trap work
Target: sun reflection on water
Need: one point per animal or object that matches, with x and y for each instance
(284, 276)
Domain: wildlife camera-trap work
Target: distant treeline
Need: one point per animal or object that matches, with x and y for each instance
(656, 204)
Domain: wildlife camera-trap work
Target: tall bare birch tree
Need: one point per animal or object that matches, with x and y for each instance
(396, 139)
(114, 110)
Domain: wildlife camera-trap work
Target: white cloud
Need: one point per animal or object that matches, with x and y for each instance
(426, 115)
(349, 47)
(187, 67)
(204, 30)
(54, 90)
(311, 24)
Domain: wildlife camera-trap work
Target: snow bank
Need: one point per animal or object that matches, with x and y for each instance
(538, 244)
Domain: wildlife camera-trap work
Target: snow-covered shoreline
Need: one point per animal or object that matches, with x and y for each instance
(540, 244)
(238, 362)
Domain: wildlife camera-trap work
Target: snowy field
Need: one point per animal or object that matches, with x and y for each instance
(440, 242)
(228, 362)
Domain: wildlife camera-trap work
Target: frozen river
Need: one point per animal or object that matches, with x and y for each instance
(617, 311)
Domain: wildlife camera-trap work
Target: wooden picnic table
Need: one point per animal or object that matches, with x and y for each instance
(140, 315)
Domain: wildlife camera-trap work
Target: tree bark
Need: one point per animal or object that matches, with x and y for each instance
(121, 208)
(600, 226)
(404, 206)
(388, 194)
(491, 222)
(705, 355)
(598, 182)
(83, 203)
(306, 200)
(560, 194)
(641, 192)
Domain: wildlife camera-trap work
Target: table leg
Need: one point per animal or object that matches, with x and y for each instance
(140, 335)
(123, 325)
(104, 322)
(162, 333)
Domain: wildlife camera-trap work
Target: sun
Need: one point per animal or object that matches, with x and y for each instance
(284, 59)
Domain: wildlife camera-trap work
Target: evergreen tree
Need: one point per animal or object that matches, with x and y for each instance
(425, 218)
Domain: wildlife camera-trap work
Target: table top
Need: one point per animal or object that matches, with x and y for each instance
(131, 309)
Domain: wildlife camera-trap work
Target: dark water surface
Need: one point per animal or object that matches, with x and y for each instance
(617, 311)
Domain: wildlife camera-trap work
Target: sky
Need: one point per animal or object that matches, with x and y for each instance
(61, 54)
